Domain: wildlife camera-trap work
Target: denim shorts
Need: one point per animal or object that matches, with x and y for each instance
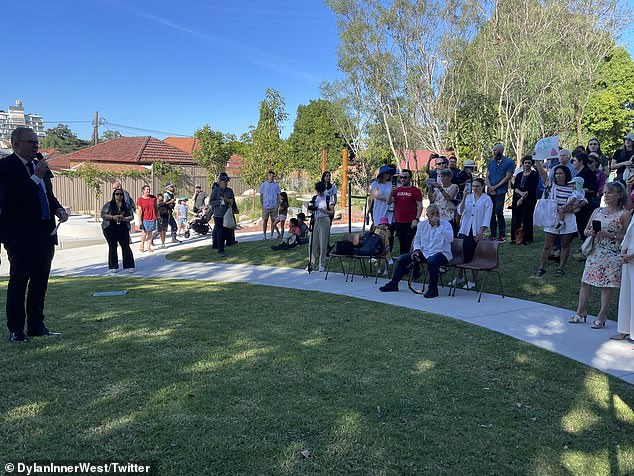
(149, 225)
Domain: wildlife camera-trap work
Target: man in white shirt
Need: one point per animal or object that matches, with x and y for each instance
(432, 245)
(269, 193)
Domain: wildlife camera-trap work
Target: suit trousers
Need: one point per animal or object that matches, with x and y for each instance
(30, 267)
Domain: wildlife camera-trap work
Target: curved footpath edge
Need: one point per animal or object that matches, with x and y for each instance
(538, 324)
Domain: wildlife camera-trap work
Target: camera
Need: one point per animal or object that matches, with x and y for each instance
(395, 178)
(312, 207)
(416, 259)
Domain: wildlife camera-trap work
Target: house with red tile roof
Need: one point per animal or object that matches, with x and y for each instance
(123, 153)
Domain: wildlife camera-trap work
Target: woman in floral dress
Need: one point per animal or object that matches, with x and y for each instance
(603, 269)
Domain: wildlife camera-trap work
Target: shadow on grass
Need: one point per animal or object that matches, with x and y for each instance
(233, 378)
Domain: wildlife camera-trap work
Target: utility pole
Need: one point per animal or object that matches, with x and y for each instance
(95, 130)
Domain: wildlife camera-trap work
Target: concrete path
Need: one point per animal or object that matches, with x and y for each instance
(542, 325)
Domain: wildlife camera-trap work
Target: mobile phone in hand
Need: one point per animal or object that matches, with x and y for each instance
(596, 226)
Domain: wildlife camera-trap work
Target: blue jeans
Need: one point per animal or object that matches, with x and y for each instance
(434, 262)
(497, 217)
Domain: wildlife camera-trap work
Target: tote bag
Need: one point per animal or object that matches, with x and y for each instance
(545, 214)
(229, 221)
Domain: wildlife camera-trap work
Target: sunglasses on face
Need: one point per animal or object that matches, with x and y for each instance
(118, 194)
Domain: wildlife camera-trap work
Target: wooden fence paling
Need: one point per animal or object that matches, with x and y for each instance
(73, 193)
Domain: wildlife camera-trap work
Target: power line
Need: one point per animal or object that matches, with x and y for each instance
(107, 123)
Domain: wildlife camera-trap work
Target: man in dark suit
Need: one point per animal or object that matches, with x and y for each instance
(27, 219)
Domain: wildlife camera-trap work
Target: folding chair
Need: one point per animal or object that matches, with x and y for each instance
(486, 259)
(364, 272)
(352, 237)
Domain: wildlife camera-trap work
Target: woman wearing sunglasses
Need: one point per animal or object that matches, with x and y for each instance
(116, 217)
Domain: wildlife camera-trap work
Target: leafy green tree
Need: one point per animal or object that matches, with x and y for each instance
(268, 149)
(167, 173)
(214, 150)
(609, 114)
(533, 63)
(62, 139)
(109, 135)
(313, 131)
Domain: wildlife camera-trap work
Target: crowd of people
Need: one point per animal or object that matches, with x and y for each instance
(592, 199)
(462, 203)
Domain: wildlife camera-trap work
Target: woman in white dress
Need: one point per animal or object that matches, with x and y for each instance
(625, 324)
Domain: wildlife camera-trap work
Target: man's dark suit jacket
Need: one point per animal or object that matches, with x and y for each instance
(21, 221)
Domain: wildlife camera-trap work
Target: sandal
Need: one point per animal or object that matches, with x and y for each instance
(598, 323)
(560, 272)
(540, 272)
(576, 319)
(620, 336)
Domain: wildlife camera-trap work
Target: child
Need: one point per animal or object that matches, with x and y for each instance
(182, 216)
(281, 216)
(575, 198)
(293, 234)
(163, 218)
(303, 228)
(383, 230)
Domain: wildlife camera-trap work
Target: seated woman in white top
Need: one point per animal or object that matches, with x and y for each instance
(432, 245)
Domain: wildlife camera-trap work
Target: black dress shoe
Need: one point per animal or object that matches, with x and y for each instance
(17, 337)
(43, 332)
(431, 293)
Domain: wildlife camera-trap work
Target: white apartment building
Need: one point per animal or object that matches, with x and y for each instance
(15, 117)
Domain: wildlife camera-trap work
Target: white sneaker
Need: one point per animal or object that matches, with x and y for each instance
(322, 269)
(128, 270)
(112, 271)
(469, 285)
(457, 282)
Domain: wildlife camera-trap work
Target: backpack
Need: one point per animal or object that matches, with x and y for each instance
(371, 245)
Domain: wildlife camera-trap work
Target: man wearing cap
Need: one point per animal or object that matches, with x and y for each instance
(465, 175)
(408, 206)
(222, 198)
(170, 200)
(499, 173)
(269, 193)
(623, 157)
(198, 199)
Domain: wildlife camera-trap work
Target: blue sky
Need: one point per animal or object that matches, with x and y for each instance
(168, 65)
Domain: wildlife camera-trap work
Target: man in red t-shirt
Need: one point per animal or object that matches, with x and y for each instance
(408, 206)
(147, 215)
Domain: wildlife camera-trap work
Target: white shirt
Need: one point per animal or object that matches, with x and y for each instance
(476, 214)
(320, 203)
(434, 239)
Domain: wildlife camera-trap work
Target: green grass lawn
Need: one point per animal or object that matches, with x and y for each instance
(203, 381)
(517, 265)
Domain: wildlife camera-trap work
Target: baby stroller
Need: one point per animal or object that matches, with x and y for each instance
(200, 223)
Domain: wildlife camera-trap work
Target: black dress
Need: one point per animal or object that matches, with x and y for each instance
(522, 214)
